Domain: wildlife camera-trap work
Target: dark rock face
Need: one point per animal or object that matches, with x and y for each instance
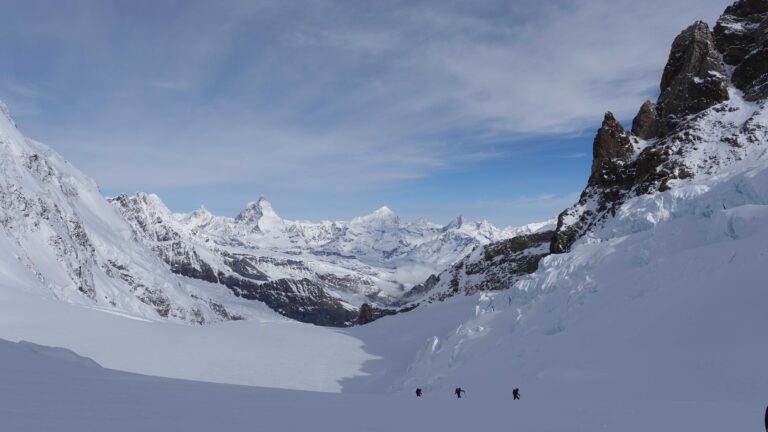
(499, 264)
(694, 78)
(420, 289)
(611, 151)
(164, 240)
(302, 300)
(645, 125)
(741, 34)
(368, 314)
(365, 315)
(734, 32)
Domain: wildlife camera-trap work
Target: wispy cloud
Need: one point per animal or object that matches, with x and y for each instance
(324, 94)
(574, 155)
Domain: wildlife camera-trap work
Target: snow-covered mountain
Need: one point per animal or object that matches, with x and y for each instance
(642, 309)
(137, 257)
(62, 238)
(313, 272)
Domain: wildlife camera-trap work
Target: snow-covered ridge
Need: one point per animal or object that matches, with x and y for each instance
(146, 261)
(62, 238)
(327, 269)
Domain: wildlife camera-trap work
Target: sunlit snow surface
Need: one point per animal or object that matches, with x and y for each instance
(660, 329)
(656, 321)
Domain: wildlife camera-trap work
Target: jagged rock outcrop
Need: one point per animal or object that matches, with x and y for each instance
(693, 87)
(368, 314)
(694, 128)
(492, 267)
(303, 299)
(420, 290)
(612, 152)
(645, 125)
(741, 34)
(142, 212)
(694, 78)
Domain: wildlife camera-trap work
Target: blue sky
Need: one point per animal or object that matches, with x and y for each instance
(334, 108)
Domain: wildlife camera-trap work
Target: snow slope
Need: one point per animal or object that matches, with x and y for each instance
(270, 351)
(674, 310)
(44, 393)
(658, 326)
(60, 237)
(58, 228)
(652, 318)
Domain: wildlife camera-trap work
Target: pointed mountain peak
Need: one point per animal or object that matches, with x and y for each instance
(250, 214)
(456, 223)
(201, 212)
(382, 215)
(150, 200)
(383, 211)
(260, 213)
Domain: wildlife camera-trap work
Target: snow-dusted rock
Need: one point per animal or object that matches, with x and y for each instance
(313, 272)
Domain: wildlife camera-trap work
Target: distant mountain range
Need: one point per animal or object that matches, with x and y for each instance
(313, 272)
(131, 253)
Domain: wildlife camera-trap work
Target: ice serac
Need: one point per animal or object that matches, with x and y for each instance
(741, 34)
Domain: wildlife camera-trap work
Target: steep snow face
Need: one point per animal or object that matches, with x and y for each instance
(649, 286)
(63, 239)
(663, 301)
(259, 216)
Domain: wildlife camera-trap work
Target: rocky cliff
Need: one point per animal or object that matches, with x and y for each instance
(709, 114)
(663, 146)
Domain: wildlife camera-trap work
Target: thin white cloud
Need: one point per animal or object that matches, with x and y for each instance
(338, 95)
(574, 155)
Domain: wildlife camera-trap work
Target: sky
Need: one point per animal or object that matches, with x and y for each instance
(331, 109)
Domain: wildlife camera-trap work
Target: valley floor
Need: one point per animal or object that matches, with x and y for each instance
(270, 351)
(661, 328)
(45, 391)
